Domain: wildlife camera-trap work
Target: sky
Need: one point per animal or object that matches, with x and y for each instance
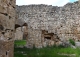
(47, 2)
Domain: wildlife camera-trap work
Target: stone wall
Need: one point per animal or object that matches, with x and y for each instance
(64, 22)
(21, 32)
(7, 25)
(18, 33)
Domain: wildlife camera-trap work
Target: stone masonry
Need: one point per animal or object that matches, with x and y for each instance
(49, 25)
(21, 32)
(18, 33)
(7, 25)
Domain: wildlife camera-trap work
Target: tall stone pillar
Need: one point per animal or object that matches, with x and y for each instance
(7, 23)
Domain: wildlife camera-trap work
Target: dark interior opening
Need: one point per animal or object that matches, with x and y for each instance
(16, 26)
(47, 37)
(6, 53)
(3, 33)
(25, 24)
(9, 17)
(1, 27)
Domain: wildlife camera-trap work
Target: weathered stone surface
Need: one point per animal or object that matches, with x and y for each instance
(25, 32)
(7, 25)
(19, 33)
(61, 22)
(77, 44)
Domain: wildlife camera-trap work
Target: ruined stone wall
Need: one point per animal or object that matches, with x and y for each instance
(21, 32)
(64, 22)
(18, 34)
(7, 25)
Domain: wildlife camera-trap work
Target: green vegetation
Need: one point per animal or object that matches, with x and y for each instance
(19, 43)
(72, 42)
(47, 52)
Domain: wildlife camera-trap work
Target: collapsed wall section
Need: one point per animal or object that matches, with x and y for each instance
(7, 25)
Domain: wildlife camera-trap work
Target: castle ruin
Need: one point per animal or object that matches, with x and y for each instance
(48, 25)
(41, 25)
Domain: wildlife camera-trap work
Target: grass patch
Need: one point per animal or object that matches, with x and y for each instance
(46, 52)
(19, 42)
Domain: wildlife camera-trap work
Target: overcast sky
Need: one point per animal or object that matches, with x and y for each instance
(48, 2)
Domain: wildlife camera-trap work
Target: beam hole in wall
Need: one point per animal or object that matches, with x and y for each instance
(9, 17)
(3, 33)
(61, 26)
(6, 53)
(1, 27)
(12, 30)
(47, 38)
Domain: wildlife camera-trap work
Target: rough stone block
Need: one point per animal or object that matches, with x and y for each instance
(3, 9)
